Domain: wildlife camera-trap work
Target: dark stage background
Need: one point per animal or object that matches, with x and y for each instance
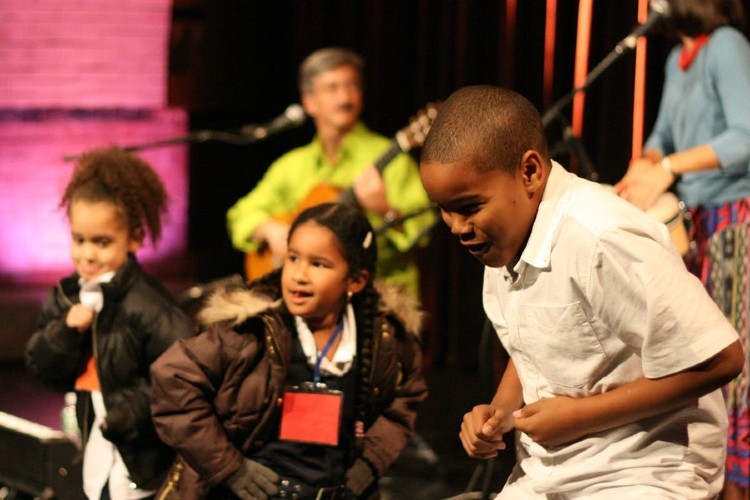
(235, 62)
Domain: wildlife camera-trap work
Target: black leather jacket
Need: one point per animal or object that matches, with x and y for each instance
(139, 320)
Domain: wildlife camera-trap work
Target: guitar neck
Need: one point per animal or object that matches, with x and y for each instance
(347, 196)
(393, 150)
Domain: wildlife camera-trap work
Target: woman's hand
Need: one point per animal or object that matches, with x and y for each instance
(644, 181)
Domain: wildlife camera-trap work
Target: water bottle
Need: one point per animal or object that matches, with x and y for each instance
(68, 419)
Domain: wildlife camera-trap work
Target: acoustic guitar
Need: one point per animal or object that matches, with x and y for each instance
(408, 138)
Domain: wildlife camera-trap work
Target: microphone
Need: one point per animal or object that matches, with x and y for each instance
(293, 116)
(660, 9)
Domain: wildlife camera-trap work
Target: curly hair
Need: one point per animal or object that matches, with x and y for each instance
(115, 176)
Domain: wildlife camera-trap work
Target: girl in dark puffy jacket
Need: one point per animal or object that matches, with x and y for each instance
(101, 327)
(304, 384)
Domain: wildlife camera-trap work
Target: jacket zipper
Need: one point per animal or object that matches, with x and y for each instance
(87, 404)
(94, 347)
(274, 342)
(64, 295)
(375, 349)
(174, 481)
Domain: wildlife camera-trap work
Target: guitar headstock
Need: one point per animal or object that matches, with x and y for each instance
(413, 135)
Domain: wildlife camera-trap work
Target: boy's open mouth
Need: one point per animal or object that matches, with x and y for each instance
(477, 248)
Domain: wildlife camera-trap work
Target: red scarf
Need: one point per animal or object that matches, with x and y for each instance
(687, 56)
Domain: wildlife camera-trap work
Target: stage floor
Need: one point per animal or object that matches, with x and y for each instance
(435, 467)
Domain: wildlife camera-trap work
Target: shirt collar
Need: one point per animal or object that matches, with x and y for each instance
(102, 278)
(90, 294)
(345, 353)
(538, 249)
(349, 144)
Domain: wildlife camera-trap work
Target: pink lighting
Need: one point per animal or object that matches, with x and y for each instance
(34, 235)
(83, 53)
(76, 75)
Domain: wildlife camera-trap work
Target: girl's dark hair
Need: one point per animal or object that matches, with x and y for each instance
(698, 17)
(115, 176)
(357, 240)
(351, 228)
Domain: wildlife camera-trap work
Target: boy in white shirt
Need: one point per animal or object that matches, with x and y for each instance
(617, 352)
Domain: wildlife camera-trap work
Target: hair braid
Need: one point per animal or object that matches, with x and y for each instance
(356, 237)
(365, 306)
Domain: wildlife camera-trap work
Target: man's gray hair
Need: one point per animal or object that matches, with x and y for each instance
(326, 59)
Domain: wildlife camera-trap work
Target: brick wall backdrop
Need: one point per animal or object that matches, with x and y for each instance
(74, 75)
(83, 53)
(34, 235)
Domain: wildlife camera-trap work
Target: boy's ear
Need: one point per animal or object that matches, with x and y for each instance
(533, 170)
(358, 282)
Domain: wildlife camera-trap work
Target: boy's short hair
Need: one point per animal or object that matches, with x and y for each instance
(490, 125)
(324, 60)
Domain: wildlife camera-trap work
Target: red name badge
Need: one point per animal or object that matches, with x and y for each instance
(311, 416)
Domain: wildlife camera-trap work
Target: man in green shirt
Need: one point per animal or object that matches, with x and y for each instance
(341, 156)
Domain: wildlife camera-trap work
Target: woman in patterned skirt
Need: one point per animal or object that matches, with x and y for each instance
(700, 146)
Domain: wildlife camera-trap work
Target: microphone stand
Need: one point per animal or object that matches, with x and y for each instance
(572, 144)
(400, 220)
(570, 141)
(236, 138)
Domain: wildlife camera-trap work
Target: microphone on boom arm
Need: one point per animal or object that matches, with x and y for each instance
(293, 116)
(660, 9)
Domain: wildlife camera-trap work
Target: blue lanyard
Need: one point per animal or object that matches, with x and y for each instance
(322, 354)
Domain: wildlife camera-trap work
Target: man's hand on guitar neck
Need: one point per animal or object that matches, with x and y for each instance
(370, 191)
(275, 234)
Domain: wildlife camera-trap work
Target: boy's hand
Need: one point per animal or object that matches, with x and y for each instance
(80, 317)
(550, 421)
(482, 430)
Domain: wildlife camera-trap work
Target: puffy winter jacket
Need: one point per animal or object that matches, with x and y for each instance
(217, 396)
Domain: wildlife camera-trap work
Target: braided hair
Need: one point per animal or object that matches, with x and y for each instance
(112, 175)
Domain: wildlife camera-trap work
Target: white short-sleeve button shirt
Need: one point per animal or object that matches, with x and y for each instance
(602, 298)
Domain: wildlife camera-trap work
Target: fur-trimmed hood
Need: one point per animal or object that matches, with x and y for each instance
(234, 305)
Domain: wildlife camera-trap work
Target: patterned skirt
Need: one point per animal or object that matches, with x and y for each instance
(720, 257)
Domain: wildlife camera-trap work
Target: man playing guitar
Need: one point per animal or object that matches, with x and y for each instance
(340, 157)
